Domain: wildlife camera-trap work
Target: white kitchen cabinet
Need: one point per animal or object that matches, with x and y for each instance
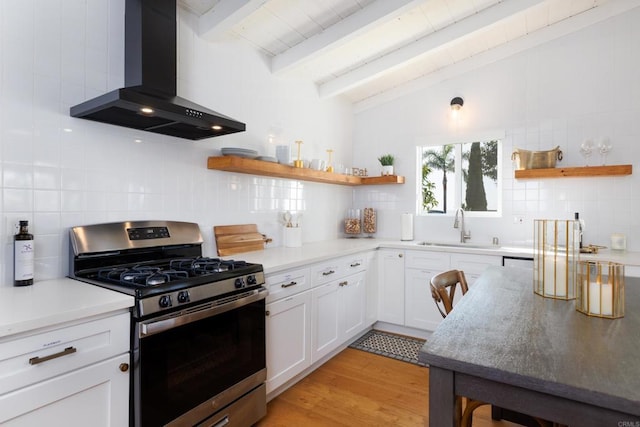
(371, 280)
(473, 265)
(352, 300)
(96, 395)
(75, 375)
(325, 333)
(313, 310)
(338, 313)
(391, 288)
(420, 309)
(404, 277)
(288, 327)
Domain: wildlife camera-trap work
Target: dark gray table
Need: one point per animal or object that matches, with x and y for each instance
(504, 345)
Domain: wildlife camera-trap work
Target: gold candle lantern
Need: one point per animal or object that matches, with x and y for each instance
(329, 163)
(600, 290)
(555, 254)
(298, 163)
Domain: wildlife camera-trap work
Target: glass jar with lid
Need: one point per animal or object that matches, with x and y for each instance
(369, 221)
(352, 222)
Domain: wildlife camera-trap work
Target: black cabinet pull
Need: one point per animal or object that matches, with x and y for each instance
(286, 285)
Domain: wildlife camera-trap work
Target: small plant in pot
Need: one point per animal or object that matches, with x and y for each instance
(387, 164)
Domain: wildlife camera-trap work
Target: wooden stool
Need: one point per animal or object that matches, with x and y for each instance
(443, 290)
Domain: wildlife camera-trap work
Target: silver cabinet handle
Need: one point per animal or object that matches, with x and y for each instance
(38, 359)
(327, 273)
(345, 283)
(286, 285)
(399, 255)
(223, 422)
(355, 264)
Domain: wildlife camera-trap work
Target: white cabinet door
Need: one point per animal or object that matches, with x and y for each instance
(351, 306)
(326, 331)
(338, 313)
(420, 309)
(97, 395)
(391, 286)
(371, 280)
(473, 265)
(288, 338)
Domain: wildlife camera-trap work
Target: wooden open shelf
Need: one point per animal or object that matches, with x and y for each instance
(577, 171)
(259, 167)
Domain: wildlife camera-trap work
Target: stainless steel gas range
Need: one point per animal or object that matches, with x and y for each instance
(198, 325)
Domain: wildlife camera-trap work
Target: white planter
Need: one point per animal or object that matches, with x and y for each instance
(387, 170)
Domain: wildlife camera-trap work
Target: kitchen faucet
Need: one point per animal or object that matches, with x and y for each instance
(464, 236)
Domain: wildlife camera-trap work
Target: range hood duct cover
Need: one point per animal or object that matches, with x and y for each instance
(150, 82)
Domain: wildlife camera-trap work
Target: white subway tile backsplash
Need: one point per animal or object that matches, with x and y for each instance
(46, 201)
(16, 200)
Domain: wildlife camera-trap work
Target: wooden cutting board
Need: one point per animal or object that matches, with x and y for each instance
(235, 239)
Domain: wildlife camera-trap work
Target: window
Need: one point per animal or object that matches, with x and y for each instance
(458, 175)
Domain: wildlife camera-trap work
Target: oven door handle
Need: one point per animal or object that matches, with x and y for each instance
(193, 314)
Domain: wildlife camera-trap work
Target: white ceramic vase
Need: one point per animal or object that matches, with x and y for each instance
(387, 170)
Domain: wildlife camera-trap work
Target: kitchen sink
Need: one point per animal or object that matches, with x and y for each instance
(457, 245)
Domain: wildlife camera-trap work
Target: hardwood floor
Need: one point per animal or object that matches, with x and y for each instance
(356, 388)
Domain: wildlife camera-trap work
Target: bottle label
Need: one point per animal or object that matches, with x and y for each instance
(23, 255)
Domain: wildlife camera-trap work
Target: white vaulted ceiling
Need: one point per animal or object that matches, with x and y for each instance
(374, 50)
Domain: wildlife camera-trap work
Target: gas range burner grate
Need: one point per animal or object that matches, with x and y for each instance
(141, 275)
(203, 265)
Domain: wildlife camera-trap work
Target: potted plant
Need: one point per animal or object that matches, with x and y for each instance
(387, 164)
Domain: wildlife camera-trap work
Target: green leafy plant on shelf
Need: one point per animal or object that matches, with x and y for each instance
(386, 160)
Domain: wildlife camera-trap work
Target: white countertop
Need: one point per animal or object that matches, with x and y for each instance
(51, 302)
(281, 258)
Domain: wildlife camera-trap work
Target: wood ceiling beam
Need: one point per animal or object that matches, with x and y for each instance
(521, 44)
(428, 43)
(342, 32)
(226, 13)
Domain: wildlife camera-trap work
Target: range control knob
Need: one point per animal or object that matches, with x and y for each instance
(251, 280)
(240, 282)
(183, 296)
(165, 301)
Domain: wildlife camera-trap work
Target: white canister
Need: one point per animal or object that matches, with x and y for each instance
(407, 227)
(283, 154)
(292, 237)
(618, 242)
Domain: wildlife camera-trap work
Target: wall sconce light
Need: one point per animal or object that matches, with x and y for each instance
(456, 103)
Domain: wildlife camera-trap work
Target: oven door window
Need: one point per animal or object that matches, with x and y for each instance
(185, 366)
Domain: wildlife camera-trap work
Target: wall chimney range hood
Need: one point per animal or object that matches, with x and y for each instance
(148, 101)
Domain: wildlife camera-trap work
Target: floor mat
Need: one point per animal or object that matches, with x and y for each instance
(390, 345)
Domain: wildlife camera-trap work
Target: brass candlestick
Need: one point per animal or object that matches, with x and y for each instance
(298, 163)
(329, 165)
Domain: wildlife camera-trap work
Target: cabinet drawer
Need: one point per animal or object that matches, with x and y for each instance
(35, 358)
(472, 263)
(327, 271)
(284, 284)
(96, 395)
(354, 264)
(428, 260)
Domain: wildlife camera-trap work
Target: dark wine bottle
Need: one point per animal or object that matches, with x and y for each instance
(577, 218)
(23, 256)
